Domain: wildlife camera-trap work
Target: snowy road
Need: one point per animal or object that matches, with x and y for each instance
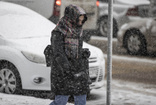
(123, 93)
(127, 67)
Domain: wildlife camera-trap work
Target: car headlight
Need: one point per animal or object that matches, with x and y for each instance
(34, 57)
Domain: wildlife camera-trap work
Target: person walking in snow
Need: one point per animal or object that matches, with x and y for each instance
(69, 68)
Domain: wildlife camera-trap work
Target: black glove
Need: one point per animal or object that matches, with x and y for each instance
(85, 53)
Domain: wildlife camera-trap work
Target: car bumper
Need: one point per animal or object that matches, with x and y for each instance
(97, 73)
(31, 72)
(97, 85)
(35, 76)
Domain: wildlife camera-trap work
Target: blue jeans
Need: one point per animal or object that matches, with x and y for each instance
(63, 99)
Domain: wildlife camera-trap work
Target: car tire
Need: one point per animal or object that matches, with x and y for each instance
(103, 29)
(10, 81)
(135, 42)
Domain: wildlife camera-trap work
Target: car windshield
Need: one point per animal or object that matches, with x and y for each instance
(15, 24)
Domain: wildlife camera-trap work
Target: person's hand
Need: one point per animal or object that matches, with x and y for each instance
(85, 53)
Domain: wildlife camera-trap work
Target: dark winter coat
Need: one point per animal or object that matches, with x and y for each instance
(69, 68)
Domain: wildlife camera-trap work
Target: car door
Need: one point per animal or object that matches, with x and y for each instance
(89, 6)
(43, 7)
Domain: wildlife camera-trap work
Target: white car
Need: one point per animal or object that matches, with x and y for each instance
(123, 12)
(23, 36)
(138, 37)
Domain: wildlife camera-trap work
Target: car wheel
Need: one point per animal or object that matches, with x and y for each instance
(10, 81)
(135, 43)
(103, 29)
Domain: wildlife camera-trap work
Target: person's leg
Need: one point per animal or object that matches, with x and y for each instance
(60, 100)
(80, 100)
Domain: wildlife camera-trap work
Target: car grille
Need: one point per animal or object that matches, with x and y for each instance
(96, 73)
(92, 60)
(93, 72)
(100, 75)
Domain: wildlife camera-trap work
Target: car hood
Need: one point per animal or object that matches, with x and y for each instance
(139, 24)
(38, 44)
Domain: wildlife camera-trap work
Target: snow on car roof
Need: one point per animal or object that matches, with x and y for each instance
(18, 22)
(133, 2)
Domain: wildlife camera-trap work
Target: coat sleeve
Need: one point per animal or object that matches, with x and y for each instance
(57, 42)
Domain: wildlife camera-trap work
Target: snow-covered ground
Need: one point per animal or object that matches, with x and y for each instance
(126, 93)
(123, 93)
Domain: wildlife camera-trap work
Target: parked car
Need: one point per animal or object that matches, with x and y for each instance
(138, 37)
(123, 11)
(43, 7)
(23, 36)
(97, 11)
(52, 10)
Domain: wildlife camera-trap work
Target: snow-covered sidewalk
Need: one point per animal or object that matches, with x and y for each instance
(8, 99)
(126, 93)
(123, 93)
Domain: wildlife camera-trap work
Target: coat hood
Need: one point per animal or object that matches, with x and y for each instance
(73, 12)
(68, 23)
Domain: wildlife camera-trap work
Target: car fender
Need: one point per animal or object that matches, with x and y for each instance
(128, 26)
(27, 69)
(14, 56)
(143, 25)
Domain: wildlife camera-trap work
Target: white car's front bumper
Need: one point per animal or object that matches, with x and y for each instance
(97, 73)
(32, 71)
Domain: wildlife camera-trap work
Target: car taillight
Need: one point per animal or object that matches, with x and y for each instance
(58, 2)
(97, 3)
(132, 12)
(57, 5)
